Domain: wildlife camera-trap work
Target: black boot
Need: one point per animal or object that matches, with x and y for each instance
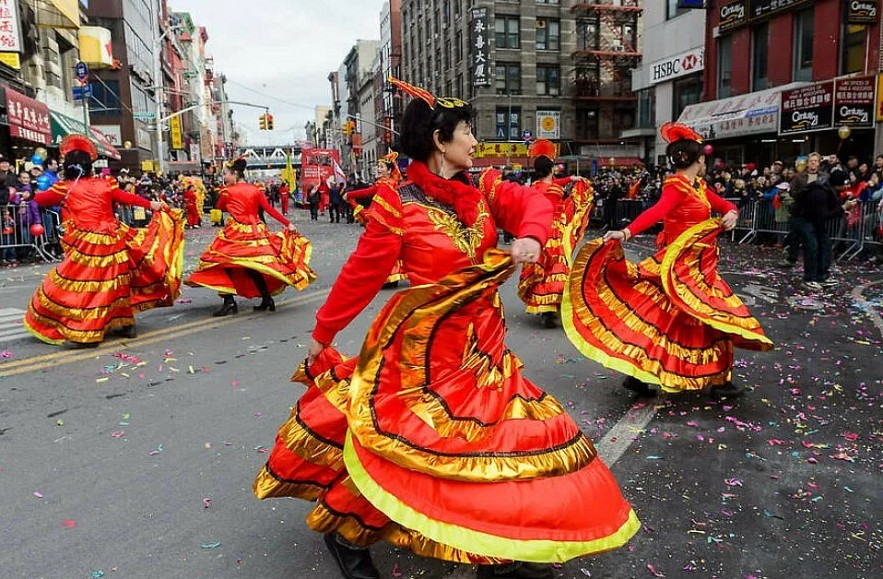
(548, 319)
(516, 570)
(391, 285)
(354, 562)
(727, 390)
(267, 303)
(638, 387)
(229, 307)
(128, 332)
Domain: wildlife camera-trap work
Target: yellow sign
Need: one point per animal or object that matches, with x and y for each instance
(880, 97)
(11, 59)
(503, 149)
(147, 166)
(96, 48)
(177, 132)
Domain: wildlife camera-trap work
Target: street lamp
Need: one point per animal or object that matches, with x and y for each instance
(158, 92)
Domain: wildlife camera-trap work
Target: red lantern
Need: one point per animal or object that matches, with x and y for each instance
(37, 230)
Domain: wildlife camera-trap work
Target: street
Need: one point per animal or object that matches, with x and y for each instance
(136, 459)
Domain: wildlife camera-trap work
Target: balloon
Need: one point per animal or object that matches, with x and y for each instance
(708, 149)
(42, 152)
(37, 230)
(36, 159)
(844, 132)
(44, 182)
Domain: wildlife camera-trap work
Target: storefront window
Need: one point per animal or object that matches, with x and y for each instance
(854, 49)
(647, 108)
(687, 91)
(673, 10)
(759, 55)
(724, 66)
(804, 24)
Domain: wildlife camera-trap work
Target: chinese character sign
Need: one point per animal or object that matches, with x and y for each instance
(480, 50)
(28, 118)
(854, 102)
(10, 33)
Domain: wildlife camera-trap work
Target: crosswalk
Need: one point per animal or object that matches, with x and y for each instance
(11, 327)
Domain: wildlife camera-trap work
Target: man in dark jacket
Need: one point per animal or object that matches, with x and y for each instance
(818, 203)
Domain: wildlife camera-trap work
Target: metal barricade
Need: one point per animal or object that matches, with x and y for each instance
(16, 236)
(626, 211)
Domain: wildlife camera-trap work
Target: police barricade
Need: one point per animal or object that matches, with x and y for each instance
(626, 211)
(854, 231)
(22, 240)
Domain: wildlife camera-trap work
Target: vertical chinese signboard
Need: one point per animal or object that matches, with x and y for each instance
(480, 50)
(807, 109)
(10, 34)
(854, 102)
(177, 133)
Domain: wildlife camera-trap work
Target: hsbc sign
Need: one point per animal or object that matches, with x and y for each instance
(677, 66)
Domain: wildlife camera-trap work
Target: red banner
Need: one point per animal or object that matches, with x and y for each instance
(28, 118)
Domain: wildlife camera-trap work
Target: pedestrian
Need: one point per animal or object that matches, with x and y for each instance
(110, 270)
(194, 220)
(336, 202)
(542, 283)
(467, 460)
(313, 197)
(245, 259)
(284, 197)
(670, 320)
(801, 181)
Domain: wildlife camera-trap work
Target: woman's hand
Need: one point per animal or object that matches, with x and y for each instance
(156, 206)
(292, 228)
(729, 220)
(620, 235)
(526, 250)
(316, 348)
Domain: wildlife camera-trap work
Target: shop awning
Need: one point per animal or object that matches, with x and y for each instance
(28, 118)
(58, 14)
(749, 114)
(63, 125)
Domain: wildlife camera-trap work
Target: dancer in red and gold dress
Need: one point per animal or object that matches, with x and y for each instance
(245, 259)
(110, 270)
(542, 283)
(191, 204)
(431, 438)
(670, 320)
(388, 173)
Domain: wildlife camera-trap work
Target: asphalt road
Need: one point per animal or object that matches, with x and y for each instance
(137, 459)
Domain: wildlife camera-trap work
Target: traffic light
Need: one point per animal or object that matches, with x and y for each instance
(269, 121)
(347, 128)
(262, 122)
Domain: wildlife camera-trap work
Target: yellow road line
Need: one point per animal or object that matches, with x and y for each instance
(38, 363)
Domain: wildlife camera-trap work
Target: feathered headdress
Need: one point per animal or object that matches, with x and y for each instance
(229, 164)
(543, 148)
(77, 142)
(672, 132)
(390, 159)
(426, 96)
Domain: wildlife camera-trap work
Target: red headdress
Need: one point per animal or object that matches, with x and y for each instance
(672, 132)
(77, 142)
(543, 148)
(426, 96)
(390, 159)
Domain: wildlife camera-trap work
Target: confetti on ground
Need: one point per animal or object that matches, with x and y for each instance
(68, 524)
(211, 545)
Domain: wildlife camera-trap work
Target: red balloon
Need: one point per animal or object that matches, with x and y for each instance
(37, 230)
(709, 150)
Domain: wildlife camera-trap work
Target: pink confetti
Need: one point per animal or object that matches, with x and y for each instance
(6, 354)
(850, 436)
(118, 434)
(234, 383)
(206, 503)
(38, 494)
(395, 571)
(68, 524)
(733, 482)
(693, 423)
(653, 570)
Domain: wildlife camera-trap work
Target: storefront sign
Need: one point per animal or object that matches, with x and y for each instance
(880, 97)
(28, 118)
(677, 66)
(177, 133)
(499, 150)
(854, 102)
(733, 15)
(861, 11)
(480, 49)
(113, 134)
(548, 124)
(10, 30)
(807, 109)
(11, 59)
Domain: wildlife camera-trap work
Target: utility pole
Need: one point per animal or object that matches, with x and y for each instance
(158, 92)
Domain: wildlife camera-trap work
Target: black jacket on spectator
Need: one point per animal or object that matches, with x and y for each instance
(817, 203)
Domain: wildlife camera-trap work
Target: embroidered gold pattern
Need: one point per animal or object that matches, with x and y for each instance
(466, 239)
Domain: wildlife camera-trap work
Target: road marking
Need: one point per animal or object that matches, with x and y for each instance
(38, 363)
(11, 327)
(620, 437)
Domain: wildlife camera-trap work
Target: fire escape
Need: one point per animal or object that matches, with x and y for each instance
(606, 52)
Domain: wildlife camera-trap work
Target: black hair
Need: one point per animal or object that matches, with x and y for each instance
(684, 152)
(46, 162)
(543, 166)
(77, 164)
(238, 167)
(419, 122)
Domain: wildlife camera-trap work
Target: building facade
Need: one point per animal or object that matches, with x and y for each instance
(784, 78)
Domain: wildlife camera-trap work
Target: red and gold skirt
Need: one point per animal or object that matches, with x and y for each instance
(106, 277)
(282, 259)
(434, 441)
(670, 320)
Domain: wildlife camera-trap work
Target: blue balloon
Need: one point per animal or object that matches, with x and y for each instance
(37, 159)
(44, 182)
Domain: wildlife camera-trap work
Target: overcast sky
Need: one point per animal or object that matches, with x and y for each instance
(283, 49)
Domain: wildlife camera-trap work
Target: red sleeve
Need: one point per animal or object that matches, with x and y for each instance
(362, 193)
(563, 181)
(518, 209)
(262, 199)
(718, 203)
(121, 196)
(366, 270)
(52, 196)
(670, 199)
(222, 200)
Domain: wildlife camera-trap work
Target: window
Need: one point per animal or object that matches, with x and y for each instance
(854, 48)
(547, 1)
(760, 42)
(507, 32)
(548, 34)
(587, 37)
(672, 10)
(458, 47)
(803, 42)
(105, 100)
(647, 108)
(548, 79)
(586, 124)
(508, 78)
(687, 91)
(724, 66)
(514, 124)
